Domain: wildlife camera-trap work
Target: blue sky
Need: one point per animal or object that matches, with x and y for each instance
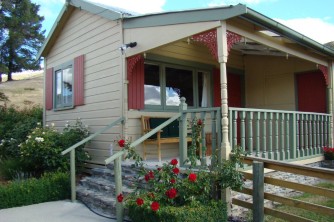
(314, 18)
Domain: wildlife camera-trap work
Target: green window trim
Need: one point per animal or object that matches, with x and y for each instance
(59, 86)
(164, 63)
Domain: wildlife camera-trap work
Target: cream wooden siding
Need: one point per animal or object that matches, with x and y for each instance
(98, 39)
(270, 81)
(196, 52)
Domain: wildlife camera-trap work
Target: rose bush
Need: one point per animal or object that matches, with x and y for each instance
(329, 153)
(169, 193)
(162, 190)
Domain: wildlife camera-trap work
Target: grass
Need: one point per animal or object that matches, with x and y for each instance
(25, 90)
(320, 200)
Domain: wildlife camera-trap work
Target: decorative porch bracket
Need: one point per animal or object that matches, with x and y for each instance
(324, 71)
(209, 39)
(131, 62)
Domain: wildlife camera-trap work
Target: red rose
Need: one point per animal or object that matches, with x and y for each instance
(120, 198)
(176, 170)
(171, 193)
(140, 201)
(155, 206)
(121, 143)
(199, 122)
(149, 176)
(192, 177)
(174, 162)
(172, 180)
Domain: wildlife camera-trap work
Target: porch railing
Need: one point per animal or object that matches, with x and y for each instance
(71, 150)
(279, 135)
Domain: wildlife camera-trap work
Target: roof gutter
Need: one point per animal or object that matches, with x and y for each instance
(283, 30)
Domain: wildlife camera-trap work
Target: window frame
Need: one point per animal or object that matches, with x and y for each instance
(194, 67)
(55, 70)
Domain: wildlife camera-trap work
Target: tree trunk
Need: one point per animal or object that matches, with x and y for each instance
(0, 78)
(10, 76)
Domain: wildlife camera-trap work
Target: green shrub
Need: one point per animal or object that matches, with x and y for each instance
(15, 125)
(212, 212)
(43, 146)
(50, 187)
(15, 169)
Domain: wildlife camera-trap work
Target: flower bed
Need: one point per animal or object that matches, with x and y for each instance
(214, 211)
(167, 194)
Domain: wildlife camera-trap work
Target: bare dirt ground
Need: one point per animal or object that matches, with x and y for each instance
(26, 89)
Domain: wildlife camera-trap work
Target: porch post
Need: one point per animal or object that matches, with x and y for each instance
(222, 59)
(331, 96)
(225, 145)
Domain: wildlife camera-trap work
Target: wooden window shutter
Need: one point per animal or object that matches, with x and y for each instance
(49, 89)
(216, 88)
(136, 82)
(78, 72)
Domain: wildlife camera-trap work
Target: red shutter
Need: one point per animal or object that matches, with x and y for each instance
(49, 89)
(311, 90)
(234, 90)
(136, 85)
(216, 88)
(79, 80)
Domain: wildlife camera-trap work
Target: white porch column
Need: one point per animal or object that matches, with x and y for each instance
(222, 59)
(225, 146)
(331, 96)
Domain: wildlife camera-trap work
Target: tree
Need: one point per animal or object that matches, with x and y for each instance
(21, 36)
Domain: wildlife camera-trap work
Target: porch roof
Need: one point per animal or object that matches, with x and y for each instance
(131, 20)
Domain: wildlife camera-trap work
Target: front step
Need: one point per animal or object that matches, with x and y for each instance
(98, 190)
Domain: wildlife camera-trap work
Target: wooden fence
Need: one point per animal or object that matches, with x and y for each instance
(258, 177)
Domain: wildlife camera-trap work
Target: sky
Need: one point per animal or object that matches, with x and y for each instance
(313, 18)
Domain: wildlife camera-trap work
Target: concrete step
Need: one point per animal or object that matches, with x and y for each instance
(98, 202)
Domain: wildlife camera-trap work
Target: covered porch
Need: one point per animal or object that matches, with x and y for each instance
(253, 84)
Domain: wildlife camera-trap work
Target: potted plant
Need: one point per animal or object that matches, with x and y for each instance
(328, 157)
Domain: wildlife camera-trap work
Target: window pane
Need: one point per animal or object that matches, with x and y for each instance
(58, 89)
(204, 89)
(179, 83)
(67, 86)
(152, 88)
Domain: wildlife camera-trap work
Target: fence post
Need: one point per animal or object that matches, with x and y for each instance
(118, 187)
(183, 132)
(72, 169)
(258, 191)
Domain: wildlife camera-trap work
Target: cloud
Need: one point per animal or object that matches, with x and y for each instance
(147, 6)
(315, 28)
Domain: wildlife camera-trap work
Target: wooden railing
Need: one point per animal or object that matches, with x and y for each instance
(279, 135)
(117, 159)
(211, 118)
(72, 153)
(259, 195)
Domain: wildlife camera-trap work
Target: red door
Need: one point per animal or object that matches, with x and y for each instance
(311, 92)
(234, 89)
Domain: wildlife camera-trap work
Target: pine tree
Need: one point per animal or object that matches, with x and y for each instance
(21, 36)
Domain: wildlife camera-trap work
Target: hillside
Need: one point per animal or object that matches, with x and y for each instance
(25, 90)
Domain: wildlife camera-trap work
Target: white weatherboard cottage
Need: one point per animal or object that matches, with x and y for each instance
(254, 81)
